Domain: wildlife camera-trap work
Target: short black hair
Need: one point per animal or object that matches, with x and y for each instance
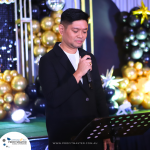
(71, 14)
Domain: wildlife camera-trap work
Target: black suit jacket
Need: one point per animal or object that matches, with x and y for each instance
(69, 106)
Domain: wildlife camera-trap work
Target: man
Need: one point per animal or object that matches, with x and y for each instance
(70, 103)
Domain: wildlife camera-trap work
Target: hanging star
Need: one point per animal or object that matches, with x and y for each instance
(110, 80)
(143, 10)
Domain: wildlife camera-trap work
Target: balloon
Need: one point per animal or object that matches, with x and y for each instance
(29, 44)
(4, 88)
(7, 106)
(131, 36)
(35, 27)
(132, 85)
(35, 12)
(123, 17)
(127, 30)
(142, 44)
(1, 76)
(123, 68)
(141, 34)
(33, 36)
(45, 12)
(7, 77)
(13, 73)
(59, 37)
(56, 28)
(39, 50)
(109, 92)
(122, 96)
(37, 41)
(57, 20)
(39, 91)
(148, 41)
(136, 52)
(31, 91)
(128, 57)
(32, 109)
(7, 72)
(3, 113)
(126, 45)
(1, 101)
(47, 23)
(136, 97)
(42, 4)
(140, 72)
(21, 99)
(134, 20)
(55, 5)
(145, 58)
(126, 80)
(146, 101)
(49, 49)
(40, 105)
(18, 83)
(147, 22)
(49, 38)
(37, 81)
(8, 97)
(134, 42)
(146, 49)
(138, 66)
(112, 107)
(126, 39)
(130, 73)
(131, 63)
(56, 14)
(122, 85)
(39, 34)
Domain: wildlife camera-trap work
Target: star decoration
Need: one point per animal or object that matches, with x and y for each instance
(110, 80)
(143, 10)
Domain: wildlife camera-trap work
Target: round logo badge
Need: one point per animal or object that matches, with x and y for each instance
(14, 141)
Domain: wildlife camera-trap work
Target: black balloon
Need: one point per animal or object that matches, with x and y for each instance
(40, 105)
(31, 91)
(131, 36)
(109, 92)
(126, 45)
(37, 81)
(136, 52)
(142, 44)
(141, 34)
(112, 107)
(35, 12)
(134, 20)
(145, 58)
(148, 41)
(123, 17)
(128, 57)
(45, 12)
(146, 49)
(42, 4)
(126, 39)
(134, 42)
(147, 22)
(127, 30)
(148, 32)
(31, 108)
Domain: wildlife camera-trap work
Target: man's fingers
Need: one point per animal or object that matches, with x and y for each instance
(105, 145)
(86, 57)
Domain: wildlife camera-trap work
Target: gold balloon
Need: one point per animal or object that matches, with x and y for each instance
(128, 89)
(136, 97)
(35, 26)
(50, 48)
(49, 38)
(47, 23)
(1, 101)
(130, 73)
(39, 50)
(37, 41)
(133, 85)
(123, 68)
(14, 73)
(39, 34)
(3, 113)
(57, 20)
(146, 101)
(138, 66)
(29, 44)
(56, 14)
(7, 77)
(140, 72)
(56, 28)
(122, 85)
(7, 72)
(21, 99)
(122, 96)
(126, 80)
(1, 76)
(8, 97)
(32, 36)
(18, 83)
(146, 71)
(4, 88)
(7, 106)
(131, 63)
(59, 37)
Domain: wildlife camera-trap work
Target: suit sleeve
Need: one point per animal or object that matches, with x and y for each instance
(99, 93)
(54, 93)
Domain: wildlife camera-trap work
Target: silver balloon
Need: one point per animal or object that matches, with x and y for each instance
(55, 5)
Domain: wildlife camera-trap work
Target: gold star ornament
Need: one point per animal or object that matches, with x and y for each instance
(143, 10)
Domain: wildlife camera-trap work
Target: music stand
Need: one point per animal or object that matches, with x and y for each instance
(114, 127)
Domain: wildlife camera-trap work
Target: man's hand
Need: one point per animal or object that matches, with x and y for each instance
(111, 145)
(84, 65)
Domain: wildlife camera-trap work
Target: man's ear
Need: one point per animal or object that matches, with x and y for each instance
(61, 29)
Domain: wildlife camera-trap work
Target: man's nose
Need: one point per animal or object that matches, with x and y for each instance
(80, 34)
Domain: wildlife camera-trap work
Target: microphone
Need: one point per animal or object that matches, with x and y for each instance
(89, 78)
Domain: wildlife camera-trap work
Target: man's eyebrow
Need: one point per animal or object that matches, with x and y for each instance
(79, 28)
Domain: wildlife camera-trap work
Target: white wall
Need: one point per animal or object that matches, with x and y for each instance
(127, 5)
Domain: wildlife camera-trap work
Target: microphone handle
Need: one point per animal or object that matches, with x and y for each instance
(89, 79)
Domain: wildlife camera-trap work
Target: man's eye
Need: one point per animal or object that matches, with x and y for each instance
(75, 31)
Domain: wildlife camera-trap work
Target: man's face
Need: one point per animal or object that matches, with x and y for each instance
(74, 34)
